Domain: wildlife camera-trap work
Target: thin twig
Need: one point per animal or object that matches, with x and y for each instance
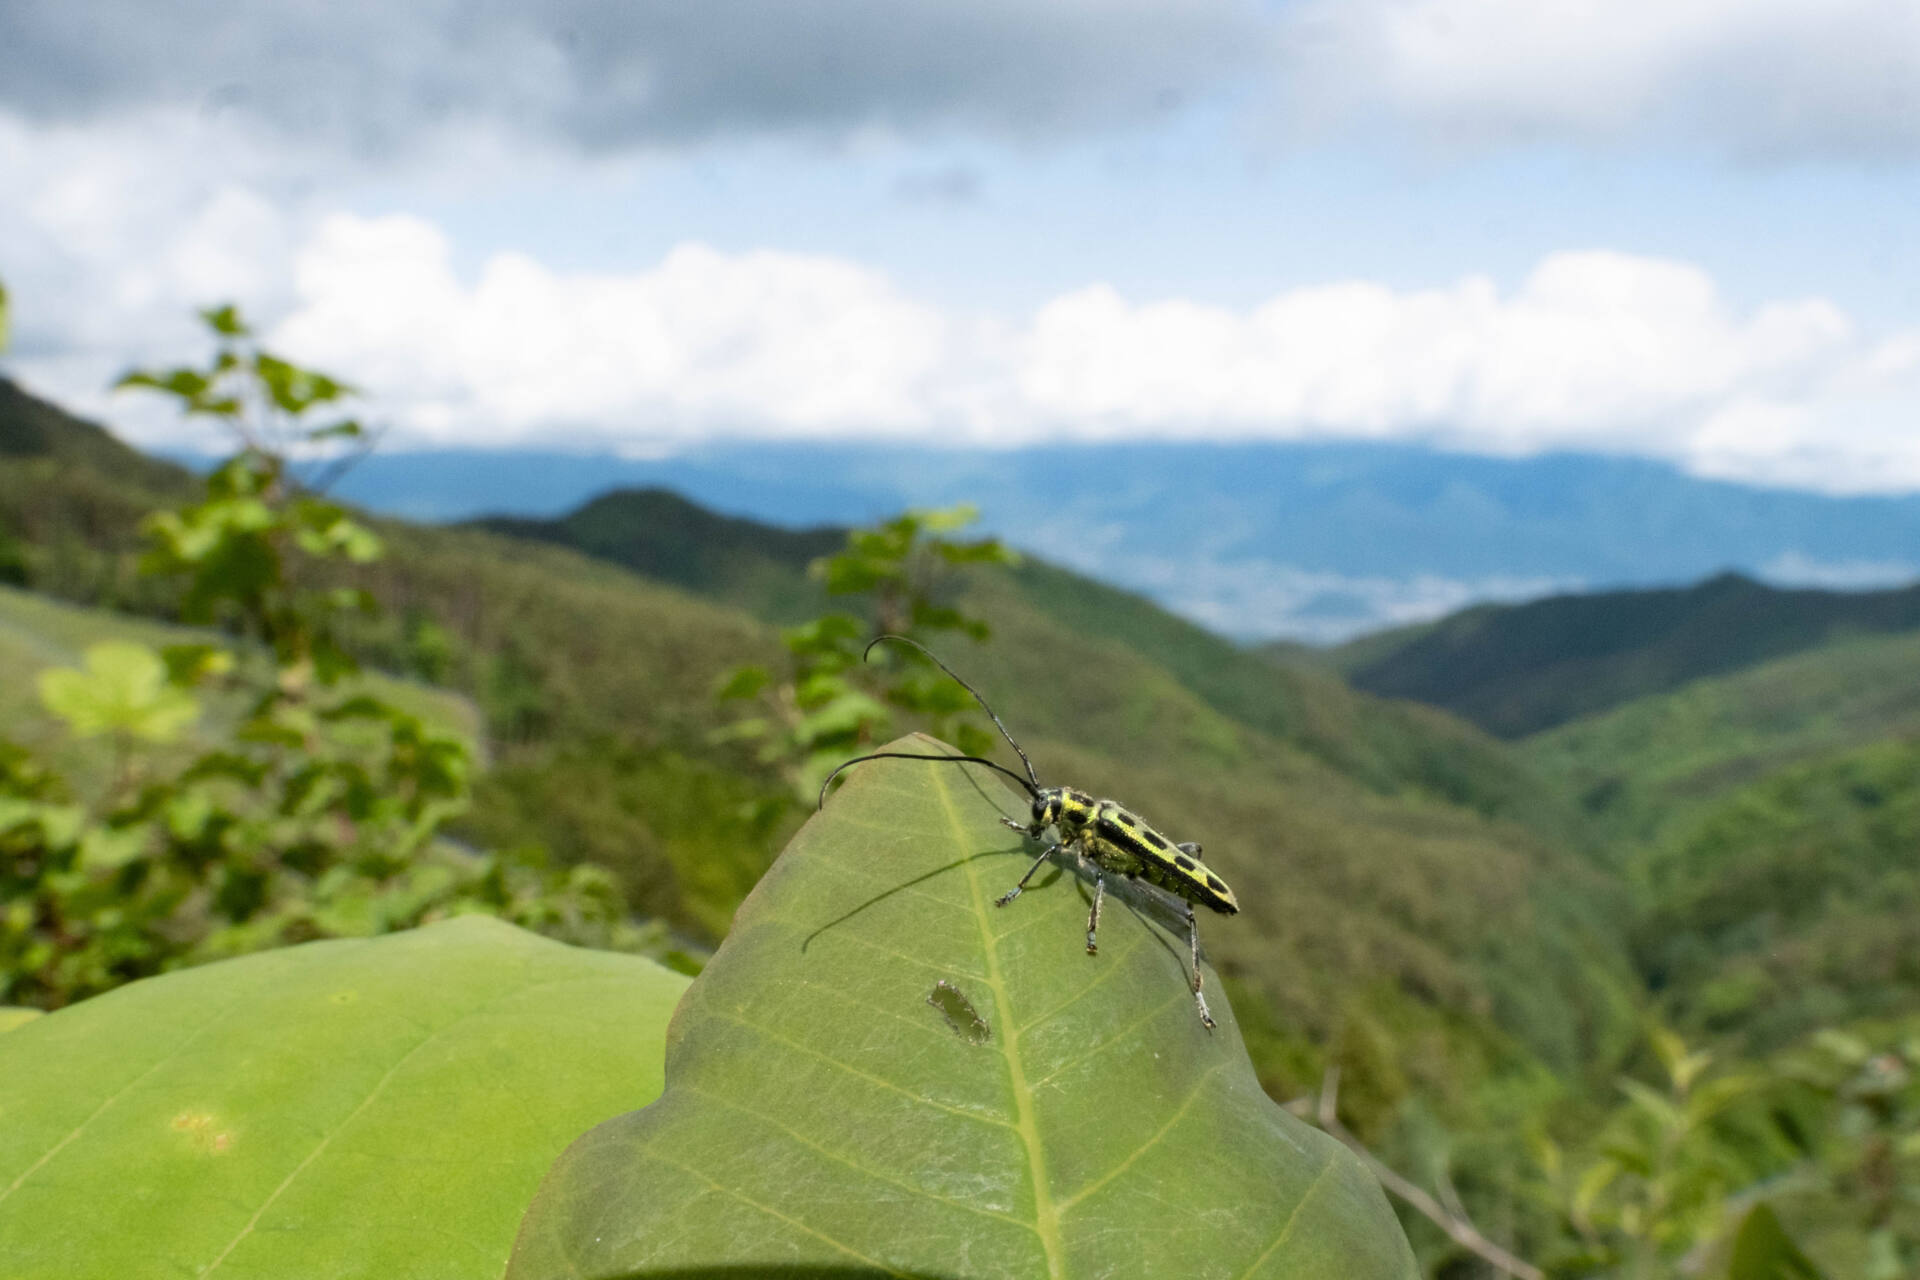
(1461, 1231)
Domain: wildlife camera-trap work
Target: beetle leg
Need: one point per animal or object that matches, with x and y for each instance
(1093, 917)
(1014, 892)
(1193, 955)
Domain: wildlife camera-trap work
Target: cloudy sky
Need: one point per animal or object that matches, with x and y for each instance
(1682, 229)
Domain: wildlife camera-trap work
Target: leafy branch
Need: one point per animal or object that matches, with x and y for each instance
(257, 794)
(830, 704)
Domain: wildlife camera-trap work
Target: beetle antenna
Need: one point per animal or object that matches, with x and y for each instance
(1031, 775)
(903, 755)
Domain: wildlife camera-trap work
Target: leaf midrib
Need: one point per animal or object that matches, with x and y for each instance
(1046, 1215)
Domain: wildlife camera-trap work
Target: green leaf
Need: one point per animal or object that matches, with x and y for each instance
(105, 848)
(293, 389)
(190, 664)
(6, 331)
(346, 429)
(944, 519)
(362, 1108)
(1763, 1250)
(124, 688)
(13, 1017)
(1587, 1192)
(821, 1114)
(1655, 1104)
(225, 321)
(741, 682)
(845, 714)
(1848, 1048)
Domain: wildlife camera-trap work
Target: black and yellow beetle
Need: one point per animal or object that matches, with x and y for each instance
(1109, 836)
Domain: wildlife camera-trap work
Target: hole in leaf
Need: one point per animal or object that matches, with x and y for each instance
(959, 1013)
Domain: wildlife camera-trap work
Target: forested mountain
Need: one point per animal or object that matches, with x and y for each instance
(1518, 669)
(1743, 754)
(661, 535)
(1768, 820)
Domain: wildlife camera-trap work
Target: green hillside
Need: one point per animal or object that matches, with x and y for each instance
(1792, 903)
(1388, 746)
(1519, 669)
(661, 535)
(1766, 821)
(37, 632)
(31, 428)
(1408, 901)
(1641, 767)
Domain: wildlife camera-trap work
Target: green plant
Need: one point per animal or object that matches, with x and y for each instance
(1864, 1157)
(829, 705)
(248, 553)
(311, 807)
(1663, 1169)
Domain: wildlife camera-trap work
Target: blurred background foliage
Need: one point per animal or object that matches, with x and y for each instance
(1628, 991)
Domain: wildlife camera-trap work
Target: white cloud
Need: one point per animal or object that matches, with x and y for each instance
(1762, 77)
(110, 235)
(705, 343)
(1592, 350)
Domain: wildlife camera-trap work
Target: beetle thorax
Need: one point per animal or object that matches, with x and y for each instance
(1065, 809)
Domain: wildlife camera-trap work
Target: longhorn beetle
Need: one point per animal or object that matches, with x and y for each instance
(1114, 839)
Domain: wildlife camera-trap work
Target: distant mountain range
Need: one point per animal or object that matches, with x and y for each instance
(1313, 542)
(1518, 669)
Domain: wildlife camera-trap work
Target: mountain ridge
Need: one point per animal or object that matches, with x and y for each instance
(1318, 541)
(1519, 669)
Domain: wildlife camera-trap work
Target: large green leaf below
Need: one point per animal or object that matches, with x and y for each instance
(834, 1105)
(375, 1108)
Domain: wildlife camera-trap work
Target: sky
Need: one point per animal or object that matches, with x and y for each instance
(1674, 229)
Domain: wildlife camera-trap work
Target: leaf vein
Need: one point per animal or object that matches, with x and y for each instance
(855, 1165)
(1287, 1229)
(852, 1070)
(379, 1085)
(771, 1212)
(125, 1089)
(1102, 1045)
(1178, 1115)
(1046, 1216)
